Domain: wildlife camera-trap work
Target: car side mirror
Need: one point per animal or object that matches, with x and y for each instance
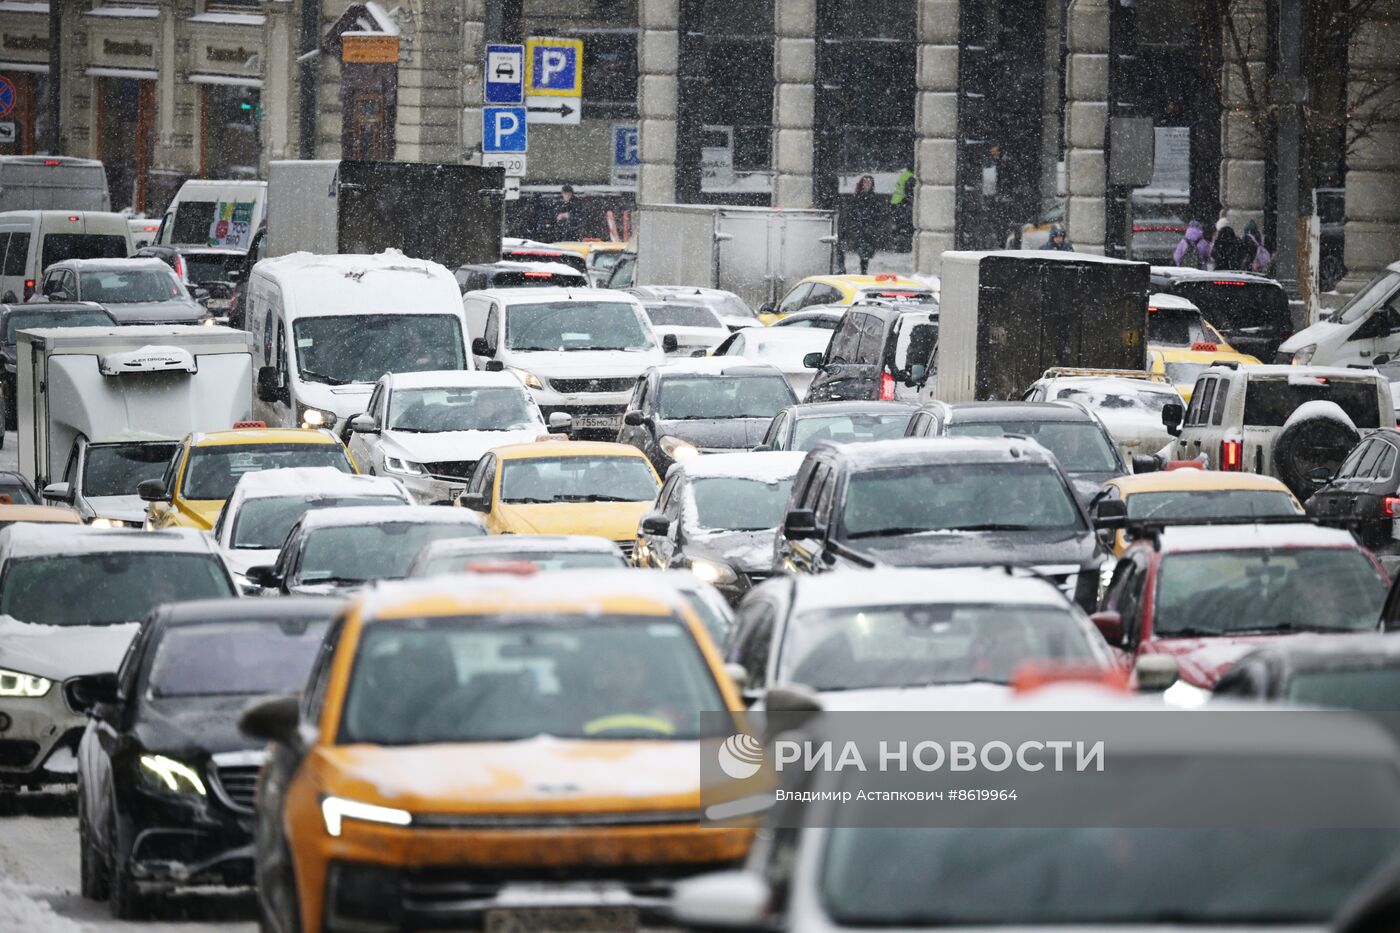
(1110, 513)
(152, 490)
(813, 360)
(1173, 413)
(270, 387)
(759, 448)
(561, 422)
(494, 366)
(670, 343)
(1155, 672)
(58, 492)
(476, 501)
(654, 523)
(1110, 625)
(364, 423)
(918, 375)
(634, 418)
(84, 694)
(1146, 463)
(766, 308)
(1318, 477)
(264, 575)
(274, 719)
(723, 900)
(800, 523)
(481, 348)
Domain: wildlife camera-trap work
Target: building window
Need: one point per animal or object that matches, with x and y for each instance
(609, 72)
(230, 140)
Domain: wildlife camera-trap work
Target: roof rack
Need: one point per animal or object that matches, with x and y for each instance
(1144, 375)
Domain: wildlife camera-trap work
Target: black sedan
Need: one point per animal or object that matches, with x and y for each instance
(165, 779)
(702, 406)
(801, 427)
(1365, 492)
(1357, 672)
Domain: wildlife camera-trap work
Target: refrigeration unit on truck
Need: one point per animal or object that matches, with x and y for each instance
(756, 252)
(1008, 316)
(127, 393)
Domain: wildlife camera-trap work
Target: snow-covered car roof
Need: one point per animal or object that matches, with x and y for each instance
(1166, 301)
(311, 482)
(904, 451)
(529, 296)
(1305, 372)
(765, 466)
(1265, 536)
(338, 285)
(893, 587)
(716, 366)
(42, 540)
(387, 514)
(1116, 384)
(452, 379)
(515, 265)
(128, 264)
(1182, 273)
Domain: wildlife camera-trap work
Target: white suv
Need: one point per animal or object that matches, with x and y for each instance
(578, 350)
(1296, 423)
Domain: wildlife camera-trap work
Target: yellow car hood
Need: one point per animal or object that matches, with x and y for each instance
(198, 513)
(616, 521)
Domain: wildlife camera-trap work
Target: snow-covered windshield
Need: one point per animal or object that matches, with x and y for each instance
(213, 470)
(576, 325)
(847, 429)
(1145, 399)
(1079, 445)
(340, 350)
(577, 479)
(738, 504)
(117, 469)
(727, 396)
(235, 658)
(478, 408)
(1211, 503)
(864, 647)
(381, 551)
(105, 589)
(129, 286)
(263, 523)
(571, 677)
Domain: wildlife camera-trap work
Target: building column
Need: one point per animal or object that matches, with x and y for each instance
(1373, 162)
(1086, 115)
(936, 128)
(794, 99)
(175, 154)
(658, 58)
(1051, 116)
(441, 44)
(279, 93)
(472, 80)
(1244, 141)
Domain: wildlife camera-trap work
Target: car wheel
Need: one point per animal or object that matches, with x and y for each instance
(281, 891)
(92, 867)
(125, 899)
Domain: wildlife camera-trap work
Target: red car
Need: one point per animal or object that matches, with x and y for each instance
(1208, 594)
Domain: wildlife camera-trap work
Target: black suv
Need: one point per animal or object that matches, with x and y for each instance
(880, 350)
(1365, 493)
(1250, 310)
(939, 503)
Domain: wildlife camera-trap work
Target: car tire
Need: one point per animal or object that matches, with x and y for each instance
(92, 867)
(1307, 444)
(123, 897)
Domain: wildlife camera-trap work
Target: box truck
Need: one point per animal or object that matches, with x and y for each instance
(1007, 316)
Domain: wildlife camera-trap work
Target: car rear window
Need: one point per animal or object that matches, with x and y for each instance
(1175, 327)
(1269, 401)
(210, 267)
(536, 280)
(235, 658)
(105, 589)
(61, 246)
(1234, 305)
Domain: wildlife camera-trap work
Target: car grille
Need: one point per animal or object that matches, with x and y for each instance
(452, 469)
(239, 783)
(592, 385)
(627, 547)
(15, 753)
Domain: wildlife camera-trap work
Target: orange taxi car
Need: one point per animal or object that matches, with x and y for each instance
(464, 742)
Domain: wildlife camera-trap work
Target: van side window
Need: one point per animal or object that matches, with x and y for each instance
(493, 326)
(268, 345)
(845, 343)
(1221, 394)
(1207, 399)
(17, 254)
(281, 359)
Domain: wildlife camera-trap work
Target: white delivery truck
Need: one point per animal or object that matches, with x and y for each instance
(214, 212)
(327, 327)
(757, 253)
(135, 390)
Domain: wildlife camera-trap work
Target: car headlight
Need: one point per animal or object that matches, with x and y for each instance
(316, 417)
(1185, 695)
(530, 379)
(168, 774)
(677, 449)
(15, 684)
(1305, 355)
(713, 572)
(403, 467)
(112, 523)
(336, 810)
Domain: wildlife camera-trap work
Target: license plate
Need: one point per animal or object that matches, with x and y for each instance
(560, 919)
(598, 421)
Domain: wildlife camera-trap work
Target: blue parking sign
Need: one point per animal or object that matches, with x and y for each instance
(505, 74)
(554, 67)
(626, 145)
(503, 129)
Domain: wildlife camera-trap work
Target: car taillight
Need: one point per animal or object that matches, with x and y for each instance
(1228, 282)
(1232, 456)
(886, 387)
(52, 162)
(28, 289)
(1390, 506)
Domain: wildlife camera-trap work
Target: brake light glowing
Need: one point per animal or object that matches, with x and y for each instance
(886, 387)
(28, 289)
(1232, 456)
(1390, 506)
(1152, 309)
(537, 275)
(239, 425)
(180, 265)
(1227, 282)
(515, 568)
(1204, 346)
(52, 162)
(73, 218)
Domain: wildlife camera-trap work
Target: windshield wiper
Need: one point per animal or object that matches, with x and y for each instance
(993, 526)
(571, 497)
(315, 581)
(891, 532)
(310, 375)
(1189, 632)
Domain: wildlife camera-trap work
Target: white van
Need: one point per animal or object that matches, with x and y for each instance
(325, 328)
(31, 241)
(214, 212)
(1365, 331)
(578, 350)
(52, 183)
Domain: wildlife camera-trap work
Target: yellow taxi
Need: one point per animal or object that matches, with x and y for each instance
(562, 487)
(1182, 365)
(207, 465)
(11, 513)
(1185, 490)
(600, 255)
(512, 751)
(846, 290)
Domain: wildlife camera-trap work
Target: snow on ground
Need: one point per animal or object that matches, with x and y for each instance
(20, 912)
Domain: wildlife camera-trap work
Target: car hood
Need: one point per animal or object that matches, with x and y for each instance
(180, 725)
(62, 651)
(717, 433)
(155, 312)
(344, 400)
(749, 551)
(201, 513)
(124, 508)
(1203, 661)
(594, 364)
(931, 698)
(961, 549)
(616, 521)
(528, 776)
(1126, 426)
(452, 445)
(1322, 333)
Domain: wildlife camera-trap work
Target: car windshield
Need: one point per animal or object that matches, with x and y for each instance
(1086, 876)
(362, 347)
(263, 523)
(958, 497)
(1080, 446)
(106, 588)
(116, 469)
(728, 396)
(1184, 374)
(1268, 402)
(1176, 327)
(1144, 400)
(729, 306)
(868, 647)
(577, 479)
(475, 408)
(565, 676)
(379, 551)
(1212, 503)
(450, 562)
(1296, 589)
(212, 471)
(129, 286)
(18, 492)
(682, 315)
(211, 267)
(848, 429)
(576, 325)
(243, 658)
(1362, 302)
(61, 246)
(732, 503)
(1371, 689)
(31, 320)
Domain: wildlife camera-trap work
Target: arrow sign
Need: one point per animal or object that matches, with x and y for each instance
(552, 110)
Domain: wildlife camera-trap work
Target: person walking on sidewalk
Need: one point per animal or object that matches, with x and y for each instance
(863, 222)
